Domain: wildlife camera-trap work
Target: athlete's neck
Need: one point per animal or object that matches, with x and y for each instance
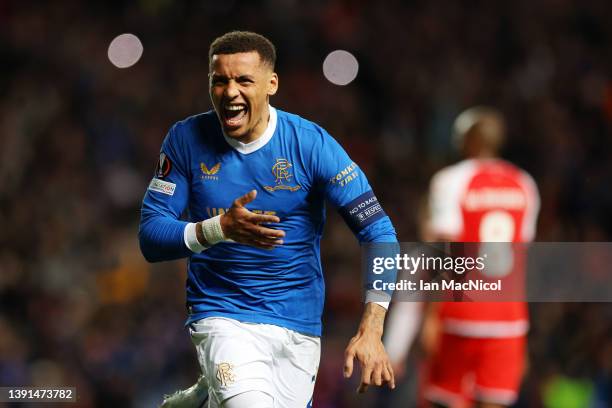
(259, 128)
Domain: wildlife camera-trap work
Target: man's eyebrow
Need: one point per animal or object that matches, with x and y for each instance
(221, 77)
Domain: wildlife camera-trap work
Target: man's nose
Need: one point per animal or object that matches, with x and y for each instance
(231, 90)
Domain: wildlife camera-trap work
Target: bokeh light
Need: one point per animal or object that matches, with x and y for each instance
(340, 67)
(125, 50)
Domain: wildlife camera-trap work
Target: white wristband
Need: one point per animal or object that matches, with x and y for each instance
(191, 239)
(213, 233)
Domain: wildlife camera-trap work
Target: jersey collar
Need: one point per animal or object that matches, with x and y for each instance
(246, 148)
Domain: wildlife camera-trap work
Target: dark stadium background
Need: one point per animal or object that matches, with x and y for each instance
(79, 139)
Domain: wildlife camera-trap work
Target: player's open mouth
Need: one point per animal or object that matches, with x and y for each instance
(234, 115)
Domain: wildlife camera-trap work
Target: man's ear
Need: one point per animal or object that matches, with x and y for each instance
(273, 84)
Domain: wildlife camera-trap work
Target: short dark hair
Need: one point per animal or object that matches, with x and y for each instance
(243, 41)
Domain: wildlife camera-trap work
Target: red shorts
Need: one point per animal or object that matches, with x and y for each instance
(467, 369)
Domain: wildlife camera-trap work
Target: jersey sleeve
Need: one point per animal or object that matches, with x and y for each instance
(402, 329)
(444, 205)
(346, 186)
(161, 232)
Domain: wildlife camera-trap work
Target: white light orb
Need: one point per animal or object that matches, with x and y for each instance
(340, 67)
(125, 50)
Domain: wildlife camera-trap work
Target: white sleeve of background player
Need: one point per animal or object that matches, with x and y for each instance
(403, 324)
(530, 220)
(444, 203)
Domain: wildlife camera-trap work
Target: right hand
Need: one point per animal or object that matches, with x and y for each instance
(242, 225)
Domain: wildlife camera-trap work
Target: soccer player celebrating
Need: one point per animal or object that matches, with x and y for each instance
(476, 350)
(253, 180)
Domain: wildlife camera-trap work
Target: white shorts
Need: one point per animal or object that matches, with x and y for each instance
(237, 357)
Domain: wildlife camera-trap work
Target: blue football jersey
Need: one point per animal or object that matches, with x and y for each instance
(295, 166)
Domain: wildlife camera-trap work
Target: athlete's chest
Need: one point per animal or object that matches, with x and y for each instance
(278, 174)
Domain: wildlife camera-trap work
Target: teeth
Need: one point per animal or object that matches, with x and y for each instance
(234, 107)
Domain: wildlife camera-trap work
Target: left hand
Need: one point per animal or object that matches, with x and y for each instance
(376, 368)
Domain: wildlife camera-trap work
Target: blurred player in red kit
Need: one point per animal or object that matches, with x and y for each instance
(475, 350)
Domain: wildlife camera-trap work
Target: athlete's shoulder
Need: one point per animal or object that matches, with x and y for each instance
(455, 174)
(305, 129)
(469, 168)
(528, 183)
(294, 120)
(196, 125)
(511, 170)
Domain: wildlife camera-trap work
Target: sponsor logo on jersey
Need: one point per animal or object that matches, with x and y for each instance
(164, 165)
(213, 212)
(486, 198)
(346, 175)
(210, 174)
(161, 186)
(213, 170)
(225, 374)
(282, 174)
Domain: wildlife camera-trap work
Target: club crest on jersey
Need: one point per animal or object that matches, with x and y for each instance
(210, 174)
(225, 374)
(164, 165)
(282, 174)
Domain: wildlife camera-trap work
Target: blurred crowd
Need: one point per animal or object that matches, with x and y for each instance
(79, 139)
